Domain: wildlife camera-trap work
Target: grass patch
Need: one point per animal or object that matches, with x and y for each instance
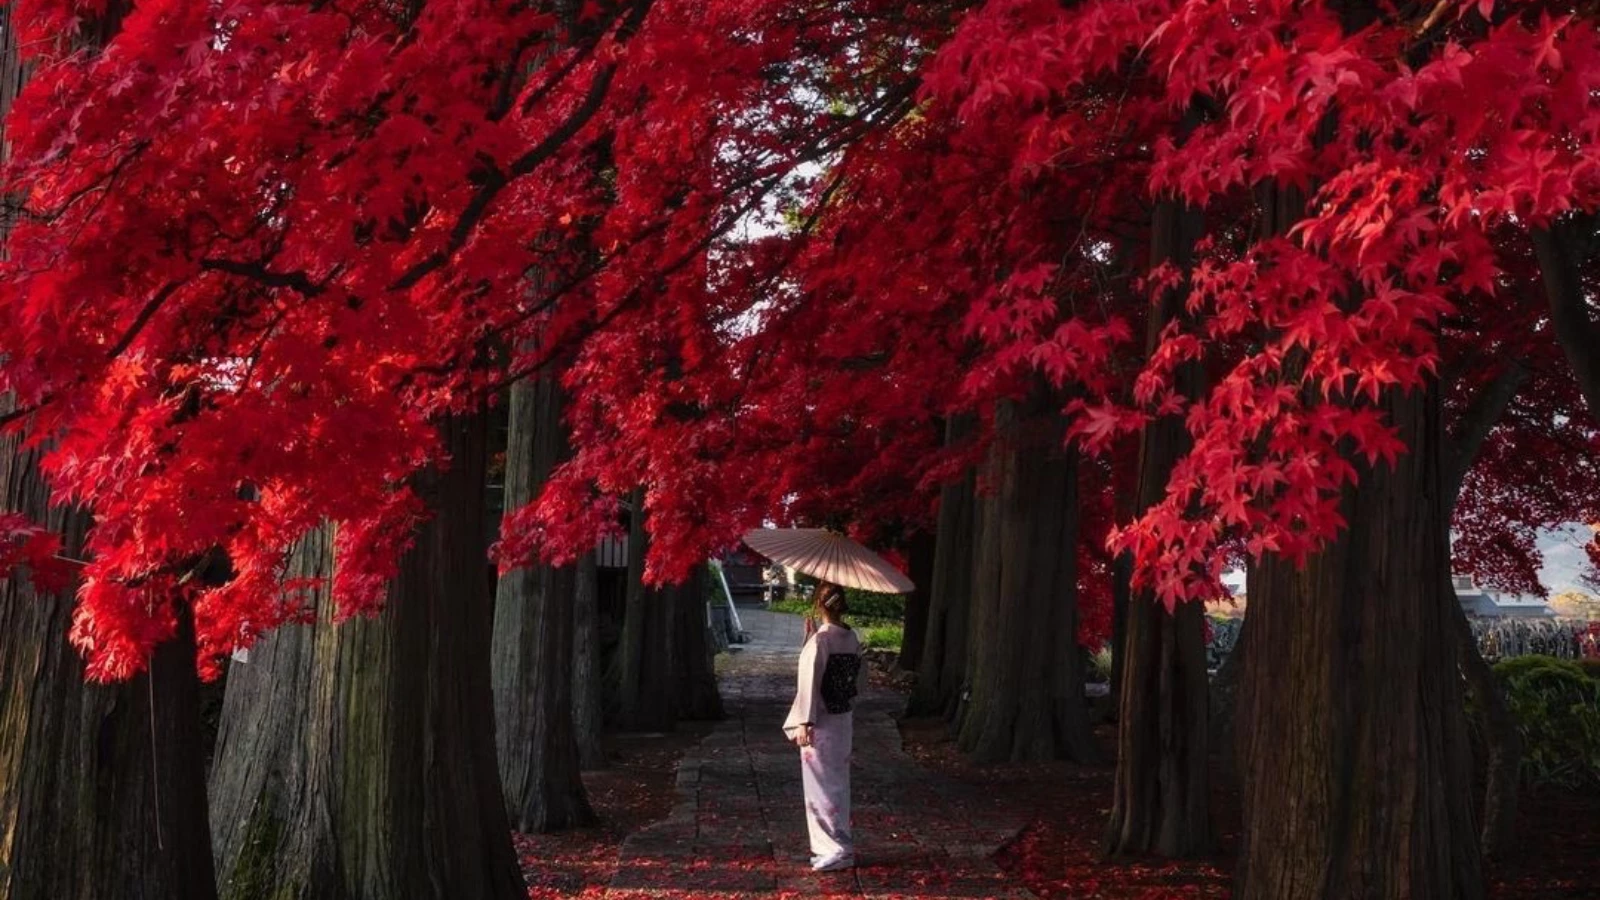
(798, 606)
(882, 637)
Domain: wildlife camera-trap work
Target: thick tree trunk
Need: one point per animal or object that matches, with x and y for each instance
(920, 561)
(1224, 696)
(102, 787)
(695, 695)
(588, 690)
(1350, 710)
(1121, 596)
(533, 638)
(372, 741)
(663, 665)
(1502, 739)
(1161, 800)
(942, 669)
(1027, 698)
(630, 655)
(265, 785)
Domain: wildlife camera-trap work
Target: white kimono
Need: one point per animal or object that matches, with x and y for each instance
(825, 765)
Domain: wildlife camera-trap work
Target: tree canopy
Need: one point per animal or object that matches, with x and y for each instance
(261, 248)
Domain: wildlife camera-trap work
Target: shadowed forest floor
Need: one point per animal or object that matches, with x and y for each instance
(705, 813)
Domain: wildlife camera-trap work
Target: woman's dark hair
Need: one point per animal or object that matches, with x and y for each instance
(831, 598)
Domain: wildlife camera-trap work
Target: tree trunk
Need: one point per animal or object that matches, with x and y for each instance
(1161, 799)
(265, 787)
(915, 630)
(942, 668)
(588, 693)
(533, 638)
(659, 650)
(102, 787)
(1121, 596)
(1350, 709)
(1224, 696)
(1561, 250)
(695, 695)
(629, 661)
(1502, 740)
(1503, 767)
(1027, 700)
(367, 748)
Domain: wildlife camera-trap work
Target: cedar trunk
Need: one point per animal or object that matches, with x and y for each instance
(1562, 250)
(358, 761)
(695, 696)
(1160, 801)
(942, 669)
(663, 665)
(1026, 701)
(920, 560)
(532, 659)
(102, 787)
(633, 712)
(588, 690)
(1351, 729)
(102, 797)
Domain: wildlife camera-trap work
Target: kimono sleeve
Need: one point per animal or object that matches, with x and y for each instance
(808, 707)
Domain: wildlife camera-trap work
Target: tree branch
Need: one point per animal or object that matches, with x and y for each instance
(1482, 414)
(258, 272)
(1560, 259)
(495, 181)
(151, 306)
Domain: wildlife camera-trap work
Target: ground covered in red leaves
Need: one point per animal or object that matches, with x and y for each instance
(635, 790)
(1058, 855)
(1555, 852)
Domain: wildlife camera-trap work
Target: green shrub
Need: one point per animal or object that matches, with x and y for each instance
(864, 606)
(882, 637)
(798, 606)
(1100, 663)
(1557, 708)
(714, 594)
(869, 605)
(1590, 667)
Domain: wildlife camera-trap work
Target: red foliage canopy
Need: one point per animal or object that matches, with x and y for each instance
(266, 245)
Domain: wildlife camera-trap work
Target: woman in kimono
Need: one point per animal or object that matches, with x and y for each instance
(821, 723)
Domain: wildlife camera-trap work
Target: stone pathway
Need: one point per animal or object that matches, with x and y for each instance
(737, 828)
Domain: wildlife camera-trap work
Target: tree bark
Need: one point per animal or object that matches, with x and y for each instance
(920, 560)
(371, 742)
(102, 787)
(629, 661)
(1502, 740)
(942, 669)
(1224, 702)
(1121, 596)
(532, 656)
(1351, 725)
(588, 694)
(1561, 250)
(1026, 701)
(1161, 798)
(663, 662)
(695, 697)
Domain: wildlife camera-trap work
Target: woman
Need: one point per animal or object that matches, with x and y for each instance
(821, 724)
